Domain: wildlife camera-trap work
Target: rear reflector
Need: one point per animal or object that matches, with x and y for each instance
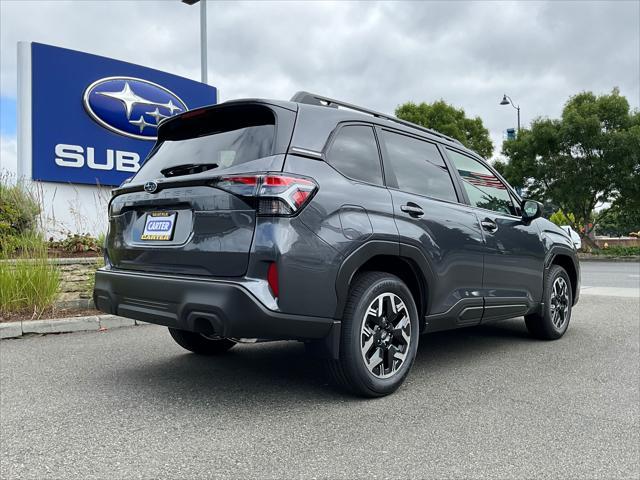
(272, 279)
(278, 195)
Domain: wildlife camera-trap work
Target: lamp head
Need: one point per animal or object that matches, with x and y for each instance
(504, 100)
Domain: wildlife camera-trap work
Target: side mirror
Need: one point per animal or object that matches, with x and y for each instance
(531, 210)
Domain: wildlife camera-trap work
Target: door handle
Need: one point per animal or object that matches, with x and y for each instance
(412, 209)
(489, 225)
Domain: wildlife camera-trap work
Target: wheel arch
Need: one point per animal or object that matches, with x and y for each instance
(404, 261)
(567, 261)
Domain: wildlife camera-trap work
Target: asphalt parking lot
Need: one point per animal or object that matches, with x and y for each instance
(484, 402)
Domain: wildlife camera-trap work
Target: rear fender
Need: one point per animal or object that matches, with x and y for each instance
(374, 248)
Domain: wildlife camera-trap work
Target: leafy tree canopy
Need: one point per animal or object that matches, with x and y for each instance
(589, 156)
(447, 119)
(619, 221)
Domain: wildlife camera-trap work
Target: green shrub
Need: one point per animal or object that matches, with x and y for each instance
(75, 242)
(617, 251)
(560, 219)
(29, 283)
(19, 212)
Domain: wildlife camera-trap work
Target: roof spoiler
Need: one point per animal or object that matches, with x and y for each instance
(319, 100)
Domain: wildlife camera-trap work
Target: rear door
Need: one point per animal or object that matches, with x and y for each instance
(513, 264)
(429, 215)
(174, 216)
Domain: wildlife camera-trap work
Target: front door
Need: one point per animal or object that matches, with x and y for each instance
(512, 282)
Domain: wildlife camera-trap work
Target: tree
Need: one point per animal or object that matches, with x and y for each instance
(447, 119)
(618, 221)
(586, 158)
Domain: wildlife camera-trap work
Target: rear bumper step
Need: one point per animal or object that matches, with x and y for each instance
(214, 307)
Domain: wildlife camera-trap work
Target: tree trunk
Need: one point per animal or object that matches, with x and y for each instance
(589, 242)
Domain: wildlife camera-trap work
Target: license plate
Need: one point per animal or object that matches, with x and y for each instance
(159, 226)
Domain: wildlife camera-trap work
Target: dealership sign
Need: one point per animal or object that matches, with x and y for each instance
(94, 119)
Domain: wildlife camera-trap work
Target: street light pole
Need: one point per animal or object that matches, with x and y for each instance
(506, 100)
(203, 36)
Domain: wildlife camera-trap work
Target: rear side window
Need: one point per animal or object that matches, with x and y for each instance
(217, 139)
(418, 166)
(354, 153)
(484, 189)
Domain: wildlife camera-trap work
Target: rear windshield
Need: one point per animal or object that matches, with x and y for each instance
(211, 140)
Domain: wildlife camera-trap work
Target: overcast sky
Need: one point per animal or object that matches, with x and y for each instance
(378, 55)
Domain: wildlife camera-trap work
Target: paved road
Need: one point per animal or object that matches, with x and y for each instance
(618, 279)
(483, 402)
(611, 274)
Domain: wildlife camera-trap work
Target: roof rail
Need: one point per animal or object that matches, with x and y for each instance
(313, 99)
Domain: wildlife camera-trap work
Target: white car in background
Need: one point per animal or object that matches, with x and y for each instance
(575, 238)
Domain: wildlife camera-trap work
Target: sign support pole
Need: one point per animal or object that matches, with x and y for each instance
(203, 40)
(24, 169)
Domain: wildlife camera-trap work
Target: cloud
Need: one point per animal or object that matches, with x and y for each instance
(8, 157)
(375, 54)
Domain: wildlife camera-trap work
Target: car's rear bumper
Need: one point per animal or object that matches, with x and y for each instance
(217, 307)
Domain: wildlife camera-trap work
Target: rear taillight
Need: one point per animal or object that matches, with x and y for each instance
(276, 194)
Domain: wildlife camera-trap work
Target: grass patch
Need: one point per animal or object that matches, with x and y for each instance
(28, 283)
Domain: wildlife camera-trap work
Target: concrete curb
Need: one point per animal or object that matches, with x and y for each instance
(65, 325)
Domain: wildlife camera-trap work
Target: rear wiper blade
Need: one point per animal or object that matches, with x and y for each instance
(188, 169)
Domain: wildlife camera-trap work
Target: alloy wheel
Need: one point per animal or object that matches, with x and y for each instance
(385, 335)
(559, 303)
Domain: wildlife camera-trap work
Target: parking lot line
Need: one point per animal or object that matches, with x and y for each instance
(611, 291)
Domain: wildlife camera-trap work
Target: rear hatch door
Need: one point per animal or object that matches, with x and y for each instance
(170, 218)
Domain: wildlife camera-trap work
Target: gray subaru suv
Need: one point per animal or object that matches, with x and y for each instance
(320, 221)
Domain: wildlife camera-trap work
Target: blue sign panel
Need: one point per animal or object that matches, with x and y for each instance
(94, 119)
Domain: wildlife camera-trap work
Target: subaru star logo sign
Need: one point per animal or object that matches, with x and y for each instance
(150, 187)
(131, 106)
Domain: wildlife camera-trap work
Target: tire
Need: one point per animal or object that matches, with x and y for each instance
(553, 321)
(201, 344)
(394, 340)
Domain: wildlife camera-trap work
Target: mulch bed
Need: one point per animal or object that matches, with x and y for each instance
(51, 313)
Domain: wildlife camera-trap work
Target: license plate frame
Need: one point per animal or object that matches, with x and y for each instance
(159, 226)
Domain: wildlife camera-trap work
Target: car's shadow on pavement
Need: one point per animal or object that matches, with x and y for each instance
(267, 372)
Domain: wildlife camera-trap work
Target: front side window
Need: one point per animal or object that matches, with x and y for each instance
(354, 153)
(484, 189)
(418, 166)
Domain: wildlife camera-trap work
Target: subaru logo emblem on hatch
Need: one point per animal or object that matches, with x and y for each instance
(150, 187)
(131, 106)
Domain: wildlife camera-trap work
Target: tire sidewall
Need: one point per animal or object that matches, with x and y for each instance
(359, 371)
